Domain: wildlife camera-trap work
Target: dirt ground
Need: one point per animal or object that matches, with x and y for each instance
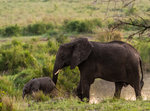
(102, 89)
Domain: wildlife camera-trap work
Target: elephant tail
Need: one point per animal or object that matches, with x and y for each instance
(141, 82)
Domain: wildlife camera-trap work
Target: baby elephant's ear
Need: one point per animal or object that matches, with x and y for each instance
(82, 49)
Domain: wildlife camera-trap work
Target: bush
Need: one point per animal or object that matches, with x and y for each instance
(108, 35)
(53, 32)
(69, 79)
(37, 29)
(52, 46)
(14, 58)
(82, 26)
(7, 87)
(2, 93)
(40, 96)
(131, 11)
(24, 76)
(2, 31)
(7, 104)
(143, 48)
(47, 67)
(12, 31)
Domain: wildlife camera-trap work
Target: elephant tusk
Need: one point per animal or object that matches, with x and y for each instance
(57, 72)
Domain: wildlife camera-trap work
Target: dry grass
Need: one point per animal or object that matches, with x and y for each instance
(40, 96)
(23, 12)
(7, 104)
(107, 35)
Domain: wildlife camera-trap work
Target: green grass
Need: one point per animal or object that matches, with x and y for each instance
(74, 104)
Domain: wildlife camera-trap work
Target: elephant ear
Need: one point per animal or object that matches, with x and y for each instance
(82, 49)
(34, 86)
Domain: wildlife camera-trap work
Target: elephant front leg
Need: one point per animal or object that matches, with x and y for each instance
(79, 91)
(118, 87)
(85, 90)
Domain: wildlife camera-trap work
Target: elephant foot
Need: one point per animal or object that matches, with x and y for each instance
(85, 100)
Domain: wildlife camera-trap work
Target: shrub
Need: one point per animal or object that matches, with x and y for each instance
(108, 35)
(53, 32)
(7, 87)
(37, 29)
(40, 96)
(48, 65)
(97, 22)
(109, 23)
(7, 104)
(131, 11)
(52, 46)
(14, 58)
(81, 26)
(144, 50)
(69, 79)
(24, 76)
(12, 31)
(2, 32)
(2, 93)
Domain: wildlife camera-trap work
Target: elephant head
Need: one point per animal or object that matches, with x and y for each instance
(26, 90)
(71, 54)
(30, 87)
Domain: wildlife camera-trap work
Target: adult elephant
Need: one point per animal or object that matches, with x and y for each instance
(114, 61)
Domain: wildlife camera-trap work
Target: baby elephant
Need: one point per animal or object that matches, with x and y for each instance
(44, 84)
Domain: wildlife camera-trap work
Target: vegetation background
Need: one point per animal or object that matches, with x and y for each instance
(31, 32)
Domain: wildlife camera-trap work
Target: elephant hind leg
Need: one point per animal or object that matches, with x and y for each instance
(118, 87)
(137, 88)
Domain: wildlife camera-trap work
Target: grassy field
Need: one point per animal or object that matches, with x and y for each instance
(73, 104)
(24, 12)
(31, 32)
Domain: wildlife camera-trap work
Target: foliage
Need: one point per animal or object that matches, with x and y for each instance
(14, 57)
(21, 78)
(131, 11)
(143, 48)
(37, 29)
(81, 26)
(12, 31)
(7, 104)
(107, 35)
(7, 87)
(40, 96)
(69, 79)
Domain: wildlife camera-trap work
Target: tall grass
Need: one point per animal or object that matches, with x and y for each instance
(18, 12)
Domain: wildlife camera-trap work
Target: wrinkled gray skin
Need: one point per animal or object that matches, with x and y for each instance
(44, 84)
(114, 61)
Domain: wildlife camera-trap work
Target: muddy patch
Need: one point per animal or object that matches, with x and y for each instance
(102, 89)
